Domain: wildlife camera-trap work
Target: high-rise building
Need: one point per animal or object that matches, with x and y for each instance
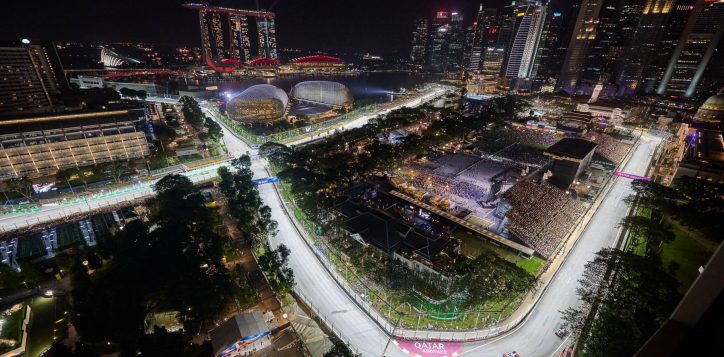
(267, 37)
(643, 45)
(240, 43)
(225, 34)
(419, 42)
(529, 20)
(669, 38)
(470, 60)
(33, 77)
(486, 35)
(549, 57)
(582, 39)
(617, 22)
(446, 42)
(695, 49)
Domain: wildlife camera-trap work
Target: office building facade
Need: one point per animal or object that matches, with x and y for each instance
(529, 19)
(446, 42)
(643, 45)
(418, 54)
(32, 77)
(694, 50)
(579, 47)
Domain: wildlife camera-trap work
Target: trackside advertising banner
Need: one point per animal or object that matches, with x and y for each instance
(428, 348)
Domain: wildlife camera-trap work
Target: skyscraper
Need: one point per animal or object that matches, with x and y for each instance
(549, 57)
(240, 44)
(33, 77)
(485, 35)
(643, 45)
(668, 41)
(617, 22)
(267, 36)
(470, 61)
(446, 42)
(419, 42)
(529, 20)
(695, 49)
(582, 39)
(225, 34)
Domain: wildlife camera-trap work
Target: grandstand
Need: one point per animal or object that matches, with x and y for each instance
(463, 185)
(540, 215)
(608, 148)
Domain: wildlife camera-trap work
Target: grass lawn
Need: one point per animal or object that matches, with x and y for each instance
(689, 253)
(475, 246)
(532, 265)
(636, 243)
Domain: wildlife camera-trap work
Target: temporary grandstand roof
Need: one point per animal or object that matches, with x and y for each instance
(571, 147)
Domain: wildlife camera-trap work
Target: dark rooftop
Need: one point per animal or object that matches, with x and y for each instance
(571, 147)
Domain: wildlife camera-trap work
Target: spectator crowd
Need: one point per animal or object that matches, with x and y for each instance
(542, 214)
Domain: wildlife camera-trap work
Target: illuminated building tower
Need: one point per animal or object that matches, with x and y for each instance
(217, 32)
(643, 45)
(582, 39)
(456, 44)
(446, 42)
(485, 35)
(549, 57)
(468, 49)
(267, 37)
(225, 35)
(32, 77)
(667, 44)
(419, 42)
(694, 50)
(437, 43)
(529, 27)
(240, 44)
(492, 63)
(617, 22)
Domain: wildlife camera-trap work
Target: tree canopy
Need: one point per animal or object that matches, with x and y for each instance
(632, 296)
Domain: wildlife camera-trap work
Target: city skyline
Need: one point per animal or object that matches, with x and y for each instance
(315, 25)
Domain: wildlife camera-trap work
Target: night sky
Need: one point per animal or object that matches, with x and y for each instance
(382, 26)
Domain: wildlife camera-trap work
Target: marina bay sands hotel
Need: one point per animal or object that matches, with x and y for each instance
(225, 35)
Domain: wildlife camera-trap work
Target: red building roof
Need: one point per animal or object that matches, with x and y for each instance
(317, 59)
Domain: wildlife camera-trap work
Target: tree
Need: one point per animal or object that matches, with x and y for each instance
(213, 129)
(274, 264)
(9, 278)
(632, 296)
(141, 94)
(339, 349)
(20, 185)
(127, 92)
(192, 112)
(117, 169)
(171, 186)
